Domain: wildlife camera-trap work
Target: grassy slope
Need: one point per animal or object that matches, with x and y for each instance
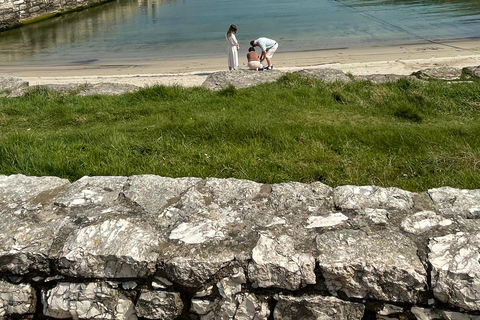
(406, 134)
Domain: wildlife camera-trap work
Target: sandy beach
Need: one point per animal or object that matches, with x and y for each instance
(399, 59)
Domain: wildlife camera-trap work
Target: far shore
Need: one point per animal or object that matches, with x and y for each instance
(398, 59)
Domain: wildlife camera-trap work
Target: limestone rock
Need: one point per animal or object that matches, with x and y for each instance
(228, 287)
(332, 219)
(202, 307)
(12, 86)
(275, 263)
(316, 308)
(112, 249)
(195, 270)
(87, 301)
(16, 299)
(154, 193)
(295, 197)
(383, 78)
(243, 306)
(373, 216)
(28, 222)
(240, 78)
(382, 266)
(443, 73)
(159, 305)
(474, 71)
(357, 198)
(249, 307)
(455, 261)
(434, 314)
(17, 190)
(325, 75)
(95, 191)
(453, 202)
(87, 89)
(423, 221)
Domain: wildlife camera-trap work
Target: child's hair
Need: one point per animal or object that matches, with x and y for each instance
(251, 49)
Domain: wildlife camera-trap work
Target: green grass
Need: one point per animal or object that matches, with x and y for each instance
(408, 134)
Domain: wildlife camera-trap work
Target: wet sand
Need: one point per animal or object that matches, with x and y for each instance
(399, 59)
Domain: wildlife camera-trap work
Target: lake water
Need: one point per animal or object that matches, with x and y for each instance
(153, 29)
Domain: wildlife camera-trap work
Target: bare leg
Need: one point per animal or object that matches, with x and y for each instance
(269, 61)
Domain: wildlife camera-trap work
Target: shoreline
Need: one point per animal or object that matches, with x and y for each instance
(395, 59)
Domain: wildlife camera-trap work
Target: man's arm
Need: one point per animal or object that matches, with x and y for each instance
(263, 55)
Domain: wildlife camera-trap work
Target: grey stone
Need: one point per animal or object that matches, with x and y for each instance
(389, 309)
(437, 314)
(28, 221)
(383, 78)
(453, 202)
(325, 75)
(87, 301)
(442, 73)
(424, 221)
(296, 198)
(88, 89)
(17, 190)
(373, 216)
(474, 70)
(112, 249)
(362, 197)
(276, 263)
(159, 305)
(154, 193)
(195, 270)
(316, 308)
(243, 306)
(249, 307)
(382, 266)
(228, 287)
(16, 299)
(330, 220)
(455, 261)
(240, 78)
(92, 191)
(12, 86)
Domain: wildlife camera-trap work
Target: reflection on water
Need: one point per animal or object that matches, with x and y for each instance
(150, 29)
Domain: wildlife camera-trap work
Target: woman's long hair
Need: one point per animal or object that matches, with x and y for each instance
(232, 29)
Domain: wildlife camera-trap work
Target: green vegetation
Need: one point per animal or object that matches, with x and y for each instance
(408, 134)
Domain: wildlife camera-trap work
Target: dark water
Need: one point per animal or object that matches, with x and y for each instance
(152, 29)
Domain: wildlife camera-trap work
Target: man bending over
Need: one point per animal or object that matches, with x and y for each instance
(268, 47)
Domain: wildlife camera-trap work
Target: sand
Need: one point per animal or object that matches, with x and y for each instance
(398, 59)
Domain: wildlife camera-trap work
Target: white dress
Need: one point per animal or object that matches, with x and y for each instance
(232, 50)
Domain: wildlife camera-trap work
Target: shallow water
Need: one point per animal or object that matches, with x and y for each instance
(152, 29)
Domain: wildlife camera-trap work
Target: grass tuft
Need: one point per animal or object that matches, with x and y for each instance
(408, 114)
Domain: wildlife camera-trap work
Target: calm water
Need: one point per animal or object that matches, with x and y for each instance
(152, 29)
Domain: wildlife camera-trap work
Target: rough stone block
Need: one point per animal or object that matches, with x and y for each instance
(95, 300)
(382, 266)
(362, 197)
(455, 260)
(276, 263)
(16, 299)
(112, 249)
(316, 308)
(452, 202)
(159, 305)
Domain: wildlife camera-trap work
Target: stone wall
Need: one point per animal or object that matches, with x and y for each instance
(13, 12)
(151, 247)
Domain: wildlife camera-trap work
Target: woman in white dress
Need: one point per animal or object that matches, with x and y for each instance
(233, 47)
